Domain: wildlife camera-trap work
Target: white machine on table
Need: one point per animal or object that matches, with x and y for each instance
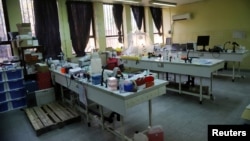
(112, 100)
(235, 57)
(202, 68)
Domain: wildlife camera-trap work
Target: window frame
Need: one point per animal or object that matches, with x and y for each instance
(116, 30)
(5, 42)
(156, 33)
(89, 48)
(6, 20)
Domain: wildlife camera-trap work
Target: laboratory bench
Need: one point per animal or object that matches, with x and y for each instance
(235, 57)
(112, 100)
(198, 68)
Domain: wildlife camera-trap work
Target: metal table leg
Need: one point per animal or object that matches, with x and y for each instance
(233, 72)
(150, 113)
(200, 90)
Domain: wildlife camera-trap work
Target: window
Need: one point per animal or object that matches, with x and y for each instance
(133, 24)
(91, 44)
(27, 11)
(5, 48)
(111, 31)
(158, 39)
(3, 33)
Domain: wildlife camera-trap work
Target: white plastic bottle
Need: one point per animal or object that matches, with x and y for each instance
(95, 121)
(140, 137)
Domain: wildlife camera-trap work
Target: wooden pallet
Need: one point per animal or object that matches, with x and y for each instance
(50, 116)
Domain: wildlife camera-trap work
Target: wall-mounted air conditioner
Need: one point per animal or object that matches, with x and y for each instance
(185, 16)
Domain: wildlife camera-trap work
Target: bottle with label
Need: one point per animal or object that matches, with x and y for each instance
(121, 85)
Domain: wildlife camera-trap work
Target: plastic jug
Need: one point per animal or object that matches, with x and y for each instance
(140, 137)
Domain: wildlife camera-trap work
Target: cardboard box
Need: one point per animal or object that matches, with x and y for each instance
(26, 42)
(246, 113)
(23, 28)
(41, 68)
(24, 36)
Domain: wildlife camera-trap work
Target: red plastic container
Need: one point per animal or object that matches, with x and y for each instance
(155, 134)
(44, 80)
(112, 63)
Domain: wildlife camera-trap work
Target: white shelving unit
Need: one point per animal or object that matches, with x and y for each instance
(12, 90)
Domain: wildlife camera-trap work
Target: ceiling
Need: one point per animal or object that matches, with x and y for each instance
(146, 2)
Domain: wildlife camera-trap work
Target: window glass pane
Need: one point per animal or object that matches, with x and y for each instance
(5, 52)
(5, 49)
(90, 45)
(27, 11)
(3, 33)
(111, 31)
(158, 39)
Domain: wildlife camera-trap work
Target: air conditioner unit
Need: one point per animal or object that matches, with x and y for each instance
(185, 16)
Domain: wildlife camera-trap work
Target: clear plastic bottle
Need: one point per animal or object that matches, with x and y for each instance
(95, 121)
(121, 85)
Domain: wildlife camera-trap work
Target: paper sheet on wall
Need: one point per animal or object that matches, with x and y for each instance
(82, 95)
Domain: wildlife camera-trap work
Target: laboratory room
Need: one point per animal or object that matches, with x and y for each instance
(124, 70)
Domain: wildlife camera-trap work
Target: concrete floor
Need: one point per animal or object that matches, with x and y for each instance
(182, 117)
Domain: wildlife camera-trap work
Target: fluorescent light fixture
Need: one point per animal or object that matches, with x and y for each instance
(161, 3)
(128, 1)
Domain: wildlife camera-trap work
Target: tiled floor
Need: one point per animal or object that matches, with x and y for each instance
(181, 116)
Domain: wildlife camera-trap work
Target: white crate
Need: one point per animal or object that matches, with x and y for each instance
(45, 96)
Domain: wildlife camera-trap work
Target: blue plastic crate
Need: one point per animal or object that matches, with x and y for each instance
(17, 93)
(19, 103)
(3, 106)
(1, 76)
(2, 96)
(2, 86)
(14, 74)
(31, 86)
(15, 84)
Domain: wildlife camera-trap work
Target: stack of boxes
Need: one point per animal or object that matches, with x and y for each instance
(25, 35)
(40, 90)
